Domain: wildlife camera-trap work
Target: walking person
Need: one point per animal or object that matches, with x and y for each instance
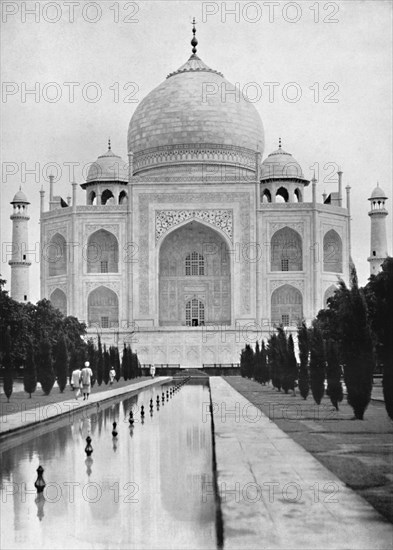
(76, 382)
(152, 370)
(112, 374)
(86, 374)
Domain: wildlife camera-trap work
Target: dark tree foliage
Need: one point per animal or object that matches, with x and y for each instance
(357, 348)
(248, 361)
(283, 359)
(304, 351)
(379, 298)
(107, 365)
(274, 362)
(292, 371)
(257, 374)
(30, 323)
(317, 364)
(100, 363)
(46, 375)
(117, 364)
(124, 369)
(74, 362)
(30, 372)
(7, 363)
(333, 374)
(61, 363)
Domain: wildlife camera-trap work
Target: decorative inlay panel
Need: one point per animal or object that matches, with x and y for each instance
(112, 228)
(60, 286)
(296, 226)
(165, 219)
(297, 284)
(49, 233)
(194, 153)
(92, 285)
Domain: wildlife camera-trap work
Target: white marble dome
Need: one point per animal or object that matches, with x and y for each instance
(281, 165)
(178, 128)
(108, 167)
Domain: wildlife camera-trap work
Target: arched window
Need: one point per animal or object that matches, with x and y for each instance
(107, 196)
(92, 198)
(195, 264)
(286, 250)
(195, 313)
(59, 300)
(298, 195)
(102, 252)
(123, 197)
(266, 196)
(57, 255)
(328, 294)
(282, 194)
(332, 252)
(286, 306)
(103, 308)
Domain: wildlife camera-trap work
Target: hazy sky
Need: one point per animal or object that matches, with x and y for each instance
(119, 51)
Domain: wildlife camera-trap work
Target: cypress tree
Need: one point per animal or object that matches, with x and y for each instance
(8, 381)
(357, 350)
(61, 363)
(30, 373)
(100, 363)
(107, 365)
(117, 364)
(274, 365)
(333, 374)
(46, 375)
(283, 360)
(317, 365)
(304, 351)
(292, 364)
(124, 363)
(257, 364)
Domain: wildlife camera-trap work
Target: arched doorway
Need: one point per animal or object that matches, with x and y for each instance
(102, 252)
(194, 264)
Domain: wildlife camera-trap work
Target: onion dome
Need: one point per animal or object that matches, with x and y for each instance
(20, 198)
(108, 168)
(193, 120)
(280, 165)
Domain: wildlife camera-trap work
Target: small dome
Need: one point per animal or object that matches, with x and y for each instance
(20, 197)
(281, 165)
(378, 193)
(108, 167)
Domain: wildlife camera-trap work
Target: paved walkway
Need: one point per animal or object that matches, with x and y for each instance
(25, 418)
(275, 494)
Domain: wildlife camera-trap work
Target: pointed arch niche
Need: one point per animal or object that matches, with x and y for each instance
(194, 264)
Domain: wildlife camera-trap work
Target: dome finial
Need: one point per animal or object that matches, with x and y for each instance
(194, 41)
(109, 144)
(279, 143)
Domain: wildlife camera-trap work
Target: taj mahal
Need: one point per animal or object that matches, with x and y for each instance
(200, 241)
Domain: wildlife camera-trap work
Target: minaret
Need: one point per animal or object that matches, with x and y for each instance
(20, 245)
(378, 213)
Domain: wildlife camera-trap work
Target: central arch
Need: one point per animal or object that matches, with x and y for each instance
(194, 264)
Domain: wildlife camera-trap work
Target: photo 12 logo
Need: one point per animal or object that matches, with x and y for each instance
(70, 12)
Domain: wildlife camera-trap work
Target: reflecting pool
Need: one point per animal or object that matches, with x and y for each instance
(148, 487)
